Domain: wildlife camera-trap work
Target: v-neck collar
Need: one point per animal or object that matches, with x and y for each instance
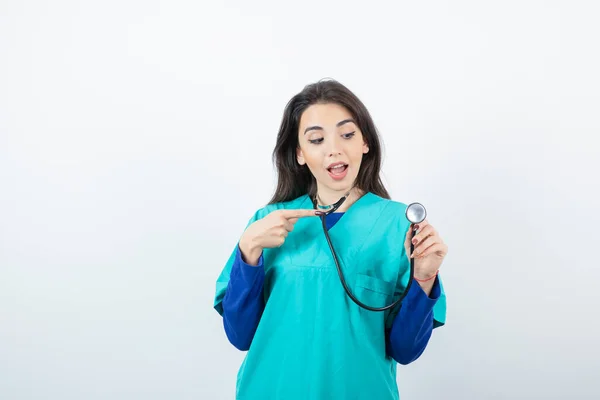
(309, 246)
(365, 198)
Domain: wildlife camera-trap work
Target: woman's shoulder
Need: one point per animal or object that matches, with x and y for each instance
(388, 205)
(389, 212)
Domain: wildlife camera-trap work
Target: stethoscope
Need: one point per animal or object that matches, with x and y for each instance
(415, 213)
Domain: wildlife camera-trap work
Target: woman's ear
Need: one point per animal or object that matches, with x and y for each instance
(300, 156)
(365, 148)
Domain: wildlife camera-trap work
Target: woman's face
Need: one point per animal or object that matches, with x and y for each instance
(331, 145)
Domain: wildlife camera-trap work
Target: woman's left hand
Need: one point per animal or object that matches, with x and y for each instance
(429, 251)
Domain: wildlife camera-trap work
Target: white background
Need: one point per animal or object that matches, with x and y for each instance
(135, 143)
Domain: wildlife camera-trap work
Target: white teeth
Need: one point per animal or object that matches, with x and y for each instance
(338, 169)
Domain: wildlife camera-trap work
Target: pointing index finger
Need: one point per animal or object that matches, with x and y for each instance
(299, 213)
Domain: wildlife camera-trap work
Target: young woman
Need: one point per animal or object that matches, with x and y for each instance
(280, 293)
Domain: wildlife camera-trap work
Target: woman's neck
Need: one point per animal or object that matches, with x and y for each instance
(327, 196)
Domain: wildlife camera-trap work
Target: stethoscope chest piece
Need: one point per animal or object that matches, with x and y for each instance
(416, 213)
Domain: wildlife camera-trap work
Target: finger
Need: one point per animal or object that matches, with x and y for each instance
(289, 226)
(412, 230)
(279, 240)
(423, 233)
(410, 233)
(298, 213)
(436, 248)
(421, 225)
(424, 245)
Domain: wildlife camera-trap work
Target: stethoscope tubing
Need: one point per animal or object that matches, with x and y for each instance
(345, 285)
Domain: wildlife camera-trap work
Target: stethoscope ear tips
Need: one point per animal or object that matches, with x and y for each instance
(416, 213)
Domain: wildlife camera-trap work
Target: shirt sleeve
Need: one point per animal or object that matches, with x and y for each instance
(243, 302)
(413, 325)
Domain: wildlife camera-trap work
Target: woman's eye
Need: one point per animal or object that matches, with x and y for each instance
(348, 135)
(316, 141)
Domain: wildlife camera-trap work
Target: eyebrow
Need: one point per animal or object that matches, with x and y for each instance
(316, 127)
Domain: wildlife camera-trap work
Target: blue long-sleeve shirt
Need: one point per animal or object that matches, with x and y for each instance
(243, 305)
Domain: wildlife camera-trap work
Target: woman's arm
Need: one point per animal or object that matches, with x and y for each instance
(243, 302)
(412, 326)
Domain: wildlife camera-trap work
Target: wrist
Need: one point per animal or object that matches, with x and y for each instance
(425, 277)
(250, 251)
(428, 278)
(426, 282)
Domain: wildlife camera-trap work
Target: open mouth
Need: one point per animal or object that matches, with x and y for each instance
(338, 170)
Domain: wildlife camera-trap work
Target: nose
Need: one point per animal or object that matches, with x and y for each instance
(334, 148)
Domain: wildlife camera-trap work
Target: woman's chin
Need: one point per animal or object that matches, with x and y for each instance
(333, 185)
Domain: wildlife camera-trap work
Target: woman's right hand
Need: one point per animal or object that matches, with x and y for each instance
(269, 232)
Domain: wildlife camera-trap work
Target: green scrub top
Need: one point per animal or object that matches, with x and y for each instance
(313, 341)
